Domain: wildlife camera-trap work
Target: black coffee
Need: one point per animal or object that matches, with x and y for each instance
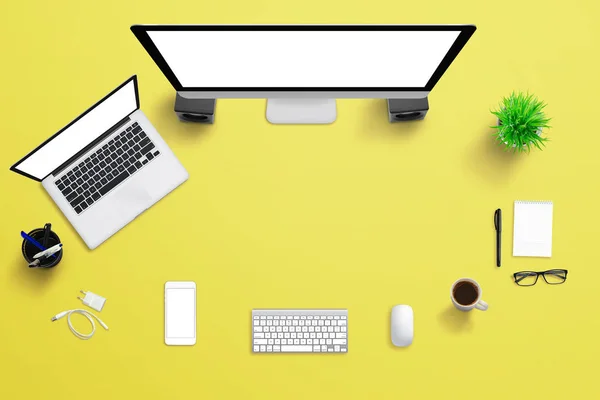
(465, 293)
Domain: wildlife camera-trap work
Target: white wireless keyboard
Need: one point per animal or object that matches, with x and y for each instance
(300, 331)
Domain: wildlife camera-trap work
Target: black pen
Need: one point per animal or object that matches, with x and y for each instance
(498, 224)
(47, 228)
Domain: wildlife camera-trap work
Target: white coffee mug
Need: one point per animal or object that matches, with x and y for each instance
(466, 295)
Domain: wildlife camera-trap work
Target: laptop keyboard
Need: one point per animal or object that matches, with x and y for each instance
(99, 173)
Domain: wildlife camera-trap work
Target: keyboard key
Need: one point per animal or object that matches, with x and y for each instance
(95, 161)
(96, 168)
(131, 151)
(137, 147)
(125, 147)
(78, 174)
(126, 164)
(85, 186)
(137, 129)
(120, 178)
(103, 181)
(76, 201)
(85, 177)
(106, 152)
(71, 196)
(138, 155)
(156, 153)
(144, 143)
(90, 201)
(108, 169)
(79, 190)
(129, 130)
(101, 156)
(113, 164)
(86, 193)
(121, 168)
(102, 164)
(60, 187)
(138, 164)
(89, 166)
(95, 196)
(145, 162)
(84, 205)
(134, 124)
(131, 169)
(148, 147)
(78, 210)
(102, 173)
(115, 173)
(297, 349)
(84, 169)
(112, 148)
(66, 181)
(110, 142)
(97, 185)
(149, 156)
(92, 189)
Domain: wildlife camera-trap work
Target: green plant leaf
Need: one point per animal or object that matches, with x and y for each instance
(520, 118)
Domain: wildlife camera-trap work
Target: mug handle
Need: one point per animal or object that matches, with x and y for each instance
(481, 305)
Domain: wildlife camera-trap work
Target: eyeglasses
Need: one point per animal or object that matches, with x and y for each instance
(552, 277)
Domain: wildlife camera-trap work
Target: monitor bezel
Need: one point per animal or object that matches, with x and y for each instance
(141, 33)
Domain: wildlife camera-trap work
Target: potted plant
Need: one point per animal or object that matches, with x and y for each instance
(520, 122)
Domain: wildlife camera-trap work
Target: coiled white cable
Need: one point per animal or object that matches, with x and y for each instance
(86, 314)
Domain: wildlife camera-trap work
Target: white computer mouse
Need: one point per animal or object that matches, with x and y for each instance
(402, 325)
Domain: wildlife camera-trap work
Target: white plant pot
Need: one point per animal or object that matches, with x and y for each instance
(539, 133)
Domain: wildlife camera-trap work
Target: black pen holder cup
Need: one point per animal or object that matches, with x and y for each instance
(29, 250)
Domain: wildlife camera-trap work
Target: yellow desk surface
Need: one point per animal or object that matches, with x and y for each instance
(361, 214)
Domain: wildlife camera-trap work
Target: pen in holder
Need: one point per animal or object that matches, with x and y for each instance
(47, 239)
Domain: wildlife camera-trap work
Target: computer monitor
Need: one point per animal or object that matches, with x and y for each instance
(302, 69)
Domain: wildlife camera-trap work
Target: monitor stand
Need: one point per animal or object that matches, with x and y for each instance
(301, 111)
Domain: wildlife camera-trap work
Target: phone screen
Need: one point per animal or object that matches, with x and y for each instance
(180, 307)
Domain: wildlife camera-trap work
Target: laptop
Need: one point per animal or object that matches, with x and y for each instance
(106, 167)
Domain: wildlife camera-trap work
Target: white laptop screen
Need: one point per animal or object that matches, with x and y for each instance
(81, 132)
(302, 59)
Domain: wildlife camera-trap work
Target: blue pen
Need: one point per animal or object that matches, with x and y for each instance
(34, 242)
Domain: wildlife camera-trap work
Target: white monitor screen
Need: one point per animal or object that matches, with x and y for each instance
(80, 133)
(303, 59)
(180, 313)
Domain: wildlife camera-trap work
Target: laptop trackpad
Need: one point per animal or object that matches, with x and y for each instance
(132, 197)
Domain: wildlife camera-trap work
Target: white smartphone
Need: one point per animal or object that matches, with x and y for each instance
(180, 313)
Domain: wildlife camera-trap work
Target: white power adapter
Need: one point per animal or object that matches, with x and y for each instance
(92, 300)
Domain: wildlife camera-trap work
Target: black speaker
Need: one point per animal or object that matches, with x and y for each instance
(195, 110)
(407, 109)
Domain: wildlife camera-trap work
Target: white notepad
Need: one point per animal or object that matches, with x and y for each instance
(533, 229)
